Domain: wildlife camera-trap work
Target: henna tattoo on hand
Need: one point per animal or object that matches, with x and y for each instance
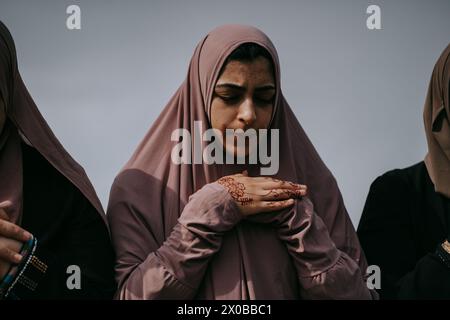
(236, 190)
(293, 185)
(296, 193)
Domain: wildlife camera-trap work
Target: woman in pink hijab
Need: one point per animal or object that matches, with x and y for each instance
(54, 241)
(207, 230)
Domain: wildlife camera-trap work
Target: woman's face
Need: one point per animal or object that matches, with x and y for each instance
(243, 98)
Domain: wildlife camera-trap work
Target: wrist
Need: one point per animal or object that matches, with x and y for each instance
(212, 206)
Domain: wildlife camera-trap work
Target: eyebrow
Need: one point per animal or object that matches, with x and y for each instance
(238, 87)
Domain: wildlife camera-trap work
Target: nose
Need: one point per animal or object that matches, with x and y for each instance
(247, 112)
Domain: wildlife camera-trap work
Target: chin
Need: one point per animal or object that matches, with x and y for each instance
(239, 152)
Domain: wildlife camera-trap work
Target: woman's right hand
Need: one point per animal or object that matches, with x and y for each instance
(261, 194)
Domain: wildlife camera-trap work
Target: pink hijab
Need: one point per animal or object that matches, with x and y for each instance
(157, 189)
(437, 125)
(24, 122)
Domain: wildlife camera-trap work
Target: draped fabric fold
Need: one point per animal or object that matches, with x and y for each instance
(25, 124)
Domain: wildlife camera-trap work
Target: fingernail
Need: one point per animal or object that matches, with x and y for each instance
(27, 235)
(17, 257)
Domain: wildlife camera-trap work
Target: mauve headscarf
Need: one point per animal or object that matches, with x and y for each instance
(157, 210)
(437, 125)
(24, 122)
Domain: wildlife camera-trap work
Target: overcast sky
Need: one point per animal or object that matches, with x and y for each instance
(358, 93)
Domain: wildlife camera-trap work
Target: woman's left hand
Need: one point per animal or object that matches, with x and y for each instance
(11, 239)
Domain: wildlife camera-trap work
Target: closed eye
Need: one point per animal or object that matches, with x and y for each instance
(230, 99)
(265, 97)
(265, 100)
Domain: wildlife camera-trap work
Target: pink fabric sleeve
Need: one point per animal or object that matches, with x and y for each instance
(324, 272)
(176, 269)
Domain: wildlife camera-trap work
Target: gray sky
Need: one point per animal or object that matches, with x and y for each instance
(358, 93)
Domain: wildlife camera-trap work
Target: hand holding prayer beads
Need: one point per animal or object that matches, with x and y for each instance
(11, 238)
(261, 194)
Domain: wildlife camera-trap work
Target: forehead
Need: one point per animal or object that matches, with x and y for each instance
(257, 70)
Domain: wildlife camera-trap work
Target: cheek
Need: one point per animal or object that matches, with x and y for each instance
(263, 117)
(221, 114)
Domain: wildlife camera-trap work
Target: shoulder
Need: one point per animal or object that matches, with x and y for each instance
(132, 185)
(39, 172)
(399, 181)
(52, 202)
(135, 193)
(391, 195)
(44, 182)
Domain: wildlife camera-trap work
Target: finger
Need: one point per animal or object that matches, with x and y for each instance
(283, 194)
(246, 201)
(10, 256)
(268, 206)
(271, 183)
(3, 215)
(13, 231)
(297, 185)
(299, 192)
(241, 174)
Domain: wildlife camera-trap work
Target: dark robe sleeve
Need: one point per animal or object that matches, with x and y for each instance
(387, 236)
